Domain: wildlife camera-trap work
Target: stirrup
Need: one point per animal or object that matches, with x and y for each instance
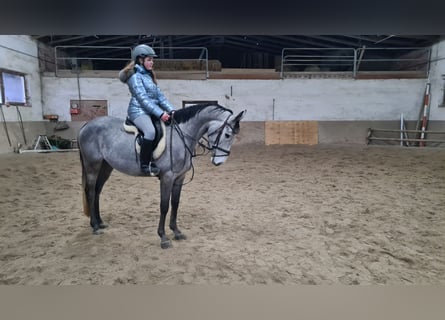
(150, 169)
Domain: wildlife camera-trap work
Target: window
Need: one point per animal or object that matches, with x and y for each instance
(13, 88)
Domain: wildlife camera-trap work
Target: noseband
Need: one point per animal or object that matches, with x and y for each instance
(184, 135)
(215, 145)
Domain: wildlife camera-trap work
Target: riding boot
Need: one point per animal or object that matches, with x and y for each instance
(147, 166)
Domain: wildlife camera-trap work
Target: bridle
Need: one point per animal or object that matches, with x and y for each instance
(207, 146)
(215, 145)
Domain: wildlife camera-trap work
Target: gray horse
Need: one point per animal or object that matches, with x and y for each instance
(104, 145)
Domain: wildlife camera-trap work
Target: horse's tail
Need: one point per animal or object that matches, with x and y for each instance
(86, 208)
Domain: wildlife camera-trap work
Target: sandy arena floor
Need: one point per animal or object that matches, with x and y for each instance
(270, 214)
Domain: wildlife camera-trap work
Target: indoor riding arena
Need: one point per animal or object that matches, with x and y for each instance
(337, 175)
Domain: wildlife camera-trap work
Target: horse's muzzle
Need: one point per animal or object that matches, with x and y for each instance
(217, 161)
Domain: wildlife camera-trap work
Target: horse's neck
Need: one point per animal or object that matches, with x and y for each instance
(195, 130)
(197, 127)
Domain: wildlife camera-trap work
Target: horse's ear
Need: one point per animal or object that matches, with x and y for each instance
(236, 121)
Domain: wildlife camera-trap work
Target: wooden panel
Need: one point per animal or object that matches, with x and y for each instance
(306, 132)
(271, 133)
(88, 109)
(291, 132)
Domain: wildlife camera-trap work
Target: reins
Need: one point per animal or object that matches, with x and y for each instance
(207, 147)
(175, 125)
(216, 146)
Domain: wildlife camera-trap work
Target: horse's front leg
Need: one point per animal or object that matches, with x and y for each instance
(166, 190)
(176, 194)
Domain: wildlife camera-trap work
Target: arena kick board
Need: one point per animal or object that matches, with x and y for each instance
(291, 132)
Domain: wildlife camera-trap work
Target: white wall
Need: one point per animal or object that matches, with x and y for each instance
(291, 99)
(295, 99)
(437, 78)
(19, 53)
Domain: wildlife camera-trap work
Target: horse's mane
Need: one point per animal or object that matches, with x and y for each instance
(184, 114)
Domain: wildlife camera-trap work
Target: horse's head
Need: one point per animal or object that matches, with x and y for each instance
(221, 136)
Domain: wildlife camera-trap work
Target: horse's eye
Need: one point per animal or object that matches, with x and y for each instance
(227, 135)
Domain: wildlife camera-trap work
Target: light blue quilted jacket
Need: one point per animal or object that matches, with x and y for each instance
(146, 97)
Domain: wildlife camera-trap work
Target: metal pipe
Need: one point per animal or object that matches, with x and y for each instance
(78, 90)
(273, 109)
(282, 63)
(409, 139)
(407, 131)
(425, 111)
(302, 58)
(359, 60)
(5, 126)
(207, 63)
(161, 51)
(401, 128)
(388, 37)
(21, 124)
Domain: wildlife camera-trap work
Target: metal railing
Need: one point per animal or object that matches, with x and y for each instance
(393, 59)
(317, 60)
(351, 62)
(294, 61)
(77, 58)
(184, 54)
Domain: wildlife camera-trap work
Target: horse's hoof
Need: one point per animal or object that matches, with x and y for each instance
(165, 244)
(103, 226)
(180, 236)
(98, 231)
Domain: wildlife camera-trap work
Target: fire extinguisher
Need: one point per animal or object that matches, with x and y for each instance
(74, 109)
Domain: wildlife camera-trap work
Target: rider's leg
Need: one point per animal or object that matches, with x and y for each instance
(146, 126)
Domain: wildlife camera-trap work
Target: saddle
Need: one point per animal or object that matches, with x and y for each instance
(158, 142)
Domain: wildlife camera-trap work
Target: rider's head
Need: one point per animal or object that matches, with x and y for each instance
(142, 51)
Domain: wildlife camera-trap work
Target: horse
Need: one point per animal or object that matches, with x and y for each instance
(104, 145)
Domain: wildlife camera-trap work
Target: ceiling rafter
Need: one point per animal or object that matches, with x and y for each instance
(230, 49)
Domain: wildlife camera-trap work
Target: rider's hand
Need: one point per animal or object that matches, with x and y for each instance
(165, 117)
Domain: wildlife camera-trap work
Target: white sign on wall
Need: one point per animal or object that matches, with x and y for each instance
(14, 88)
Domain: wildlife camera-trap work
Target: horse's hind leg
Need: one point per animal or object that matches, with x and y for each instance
(96, 176)
(104, 174)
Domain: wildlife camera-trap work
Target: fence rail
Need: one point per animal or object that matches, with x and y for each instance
(76, 58)
(404, 136)
(351, 62)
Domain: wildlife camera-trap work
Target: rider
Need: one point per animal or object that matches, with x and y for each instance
(146, 99)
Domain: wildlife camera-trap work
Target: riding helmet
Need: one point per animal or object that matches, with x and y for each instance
(142, 50)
